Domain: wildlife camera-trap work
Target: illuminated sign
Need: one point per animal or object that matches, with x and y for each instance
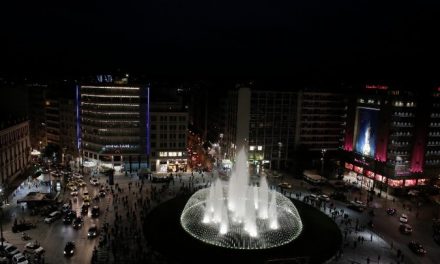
(104, 78)
(377, 87)
(349, 166)
(367, 124)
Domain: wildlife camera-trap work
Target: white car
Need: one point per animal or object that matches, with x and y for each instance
(77, 176)
(19, 259)
(52, 217)
(324, 197)
(403, 218)
(33, 247)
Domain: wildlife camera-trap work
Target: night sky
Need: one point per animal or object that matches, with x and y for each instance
(303, 39)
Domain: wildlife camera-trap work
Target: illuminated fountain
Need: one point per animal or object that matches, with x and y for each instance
(241, 216)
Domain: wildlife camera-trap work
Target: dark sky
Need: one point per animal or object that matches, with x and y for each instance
(304, 39)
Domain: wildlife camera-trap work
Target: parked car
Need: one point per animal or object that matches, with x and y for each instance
(285, 185)
(405, 228)
(74, 193)
(69, 249)
(77, 175)
(324, 197)
(33, 248)
(19, 258)
(102, 193)
(11, 250)
(357, 206)
(52, 217)
(313, 197)
(417, 248)
(403, 218)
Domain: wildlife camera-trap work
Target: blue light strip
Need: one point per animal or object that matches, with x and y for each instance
(148, 120)
(78, 132)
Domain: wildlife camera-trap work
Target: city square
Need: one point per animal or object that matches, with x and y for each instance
(205, 132)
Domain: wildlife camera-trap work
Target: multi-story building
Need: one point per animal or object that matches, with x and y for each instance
(114, 118)
(321, 120)
(37, 115)
(52, 114)
(168, 134)
(15, 149)
(68, 129)
(390, 138)
(268, 124)
(280, 121)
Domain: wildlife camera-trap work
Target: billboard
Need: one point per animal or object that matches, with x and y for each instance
(366, 134)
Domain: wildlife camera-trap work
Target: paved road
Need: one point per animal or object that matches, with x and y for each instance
(54, 236)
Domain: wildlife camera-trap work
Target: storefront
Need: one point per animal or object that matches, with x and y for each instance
(366, 178)
(170, 161)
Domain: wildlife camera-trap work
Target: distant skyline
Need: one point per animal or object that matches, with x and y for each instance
(304, 40)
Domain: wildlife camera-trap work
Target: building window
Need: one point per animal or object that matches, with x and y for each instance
(260, 147)
(251, 148)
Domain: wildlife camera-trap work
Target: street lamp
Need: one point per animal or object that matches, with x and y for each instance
(323, 151)
(280, 145)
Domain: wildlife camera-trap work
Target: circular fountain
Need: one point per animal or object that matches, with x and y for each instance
(241, 216)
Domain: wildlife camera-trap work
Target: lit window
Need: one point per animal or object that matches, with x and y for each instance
(260, 147)
(251, 148)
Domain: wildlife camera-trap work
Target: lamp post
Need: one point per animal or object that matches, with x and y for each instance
(323, 151)
(280, 145)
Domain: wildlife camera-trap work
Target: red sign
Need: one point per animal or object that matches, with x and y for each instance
(377, 87)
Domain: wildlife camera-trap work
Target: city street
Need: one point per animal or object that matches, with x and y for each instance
(385, 236)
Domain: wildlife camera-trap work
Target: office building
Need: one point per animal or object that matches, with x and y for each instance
(15, 149)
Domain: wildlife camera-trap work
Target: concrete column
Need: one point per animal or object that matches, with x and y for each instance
(243, 118)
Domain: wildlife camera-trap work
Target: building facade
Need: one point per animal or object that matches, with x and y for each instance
(113, 119)
(271, 126)
(390, 138)
(168, 134)
(15, 148)
(37, 115)
(321, 120)
(280, 121)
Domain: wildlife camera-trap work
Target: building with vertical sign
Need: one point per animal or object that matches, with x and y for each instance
(392, 138)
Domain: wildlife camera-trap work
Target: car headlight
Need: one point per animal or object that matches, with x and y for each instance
(64, 252)
(71, 252)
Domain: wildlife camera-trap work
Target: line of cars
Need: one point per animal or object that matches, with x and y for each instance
(11, 252)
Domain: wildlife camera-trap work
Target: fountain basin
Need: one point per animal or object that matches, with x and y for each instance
(229, 232)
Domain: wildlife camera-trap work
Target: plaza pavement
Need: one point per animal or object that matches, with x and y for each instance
(114, 251)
